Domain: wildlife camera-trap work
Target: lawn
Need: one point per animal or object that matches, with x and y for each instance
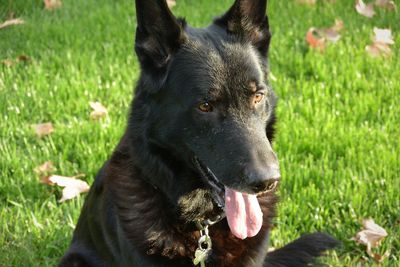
(338, 130)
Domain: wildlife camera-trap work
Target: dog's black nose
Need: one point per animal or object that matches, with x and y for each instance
(264, 179)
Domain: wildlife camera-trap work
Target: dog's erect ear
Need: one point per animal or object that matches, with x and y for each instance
(158, 35)
(247, 19)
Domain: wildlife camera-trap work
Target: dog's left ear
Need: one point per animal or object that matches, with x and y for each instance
(247, 19)
(158, 36)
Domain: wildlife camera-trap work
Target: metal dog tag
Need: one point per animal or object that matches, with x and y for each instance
(200, 256)
(204, 249)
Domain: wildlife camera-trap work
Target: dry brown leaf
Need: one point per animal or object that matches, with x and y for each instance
(73, 187)
(381, 43)
(11, 22)
(386, 4)
(99, 111)
(23, 58)
(377, 50)
(371, 236)
(383, 36)
(332, 33)
(7, 62)
(52, 4)
(315, 40)
(366, 10)
(45, 169)
(43, 129)
(171, 3)
(307, 2)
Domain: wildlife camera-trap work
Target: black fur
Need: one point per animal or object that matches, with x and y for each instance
(203, 108)
(302, 251)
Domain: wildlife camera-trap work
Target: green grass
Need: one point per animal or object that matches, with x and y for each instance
(339, 118)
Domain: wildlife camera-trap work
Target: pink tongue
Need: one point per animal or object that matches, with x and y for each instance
(243, 213)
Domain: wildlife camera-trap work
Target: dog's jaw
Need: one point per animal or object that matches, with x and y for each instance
(242, 210)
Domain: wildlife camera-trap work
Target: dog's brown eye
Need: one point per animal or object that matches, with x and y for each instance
(258, 97)
(205, 107)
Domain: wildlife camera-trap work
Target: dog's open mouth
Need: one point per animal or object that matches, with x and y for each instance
(242, 210)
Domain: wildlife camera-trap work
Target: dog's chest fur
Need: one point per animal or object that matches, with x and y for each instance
(148, 224)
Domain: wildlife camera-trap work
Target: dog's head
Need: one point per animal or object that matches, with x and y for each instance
(210, 104)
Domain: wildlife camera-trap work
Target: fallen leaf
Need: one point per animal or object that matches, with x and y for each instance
(171, 3)
(73, 187)
(383, 36)
(23, 58)
(45, 169)
(366, 10)
(332, 33)
(315, 40)
(381, 43)
(52, 4)
(386, 4)
(10, 62)
(371, 236)
(307, 2)
(377, 50)
(43, 129)
(11, 22)
(7, 62)
(99, 111)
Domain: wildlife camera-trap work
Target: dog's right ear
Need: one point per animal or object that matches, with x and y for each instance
(158, 35)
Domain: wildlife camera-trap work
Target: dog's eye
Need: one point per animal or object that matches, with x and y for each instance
(258, 97)
(205, 107)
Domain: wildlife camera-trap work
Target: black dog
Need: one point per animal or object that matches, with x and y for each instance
(196, 154)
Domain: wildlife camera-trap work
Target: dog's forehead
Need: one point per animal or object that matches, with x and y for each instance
(219, 66)
(240, 71)
(237, 63)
